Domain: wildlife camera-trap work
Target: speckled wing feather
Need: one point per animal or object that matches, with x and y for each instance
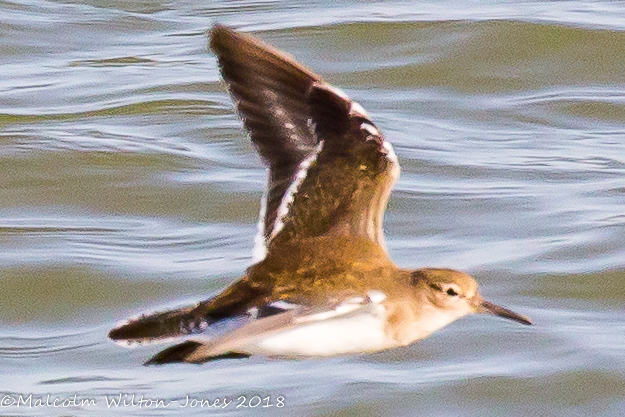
(233, 301)
(346, 188)
(269, 89)
(331, 171)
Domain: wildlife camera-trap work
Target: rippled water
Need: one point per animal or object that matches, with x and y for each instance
(127, 185)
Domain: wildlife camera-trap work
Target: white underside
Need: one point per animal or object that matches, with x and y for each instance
(363, 331)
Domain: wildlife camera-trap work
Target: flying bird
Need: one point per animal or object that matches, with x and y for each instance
(322, 282)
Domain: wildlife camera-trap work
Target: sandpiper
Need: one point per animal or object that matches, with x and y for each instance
(322, 282)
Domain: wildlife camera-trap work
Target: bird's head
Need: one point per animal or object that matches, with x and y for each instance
(456, 294)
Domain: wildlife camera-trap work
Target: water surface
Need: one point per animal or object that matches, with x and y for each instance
(126, 185)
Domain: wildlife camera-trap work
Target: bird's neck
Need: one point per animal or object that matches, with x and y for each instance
(410, 320)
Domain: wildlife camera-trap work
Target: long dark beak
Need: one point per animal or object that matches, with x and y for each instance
(490, 308)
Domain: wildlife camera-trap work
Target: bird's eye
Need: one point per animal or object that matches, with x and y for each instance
(451, 292)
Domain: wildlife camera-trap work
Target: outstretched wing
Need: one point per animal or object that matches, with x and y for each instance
(235, 301)
(269, 90)
(330, 168)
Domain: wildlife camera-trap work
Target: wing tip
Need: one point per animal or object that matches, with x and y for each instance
(225, 41)
(219, 34)
(174, 354)
(183, 353)
(159, 325)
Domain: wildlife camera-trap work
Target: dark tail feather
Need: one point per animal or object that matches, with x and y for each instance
(178, 353)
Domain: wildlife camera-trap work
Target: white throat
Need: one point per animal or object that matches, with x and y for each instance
(432, 319)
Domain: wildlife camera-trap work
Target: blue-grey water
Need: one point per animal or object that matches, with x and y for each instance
(127, 185)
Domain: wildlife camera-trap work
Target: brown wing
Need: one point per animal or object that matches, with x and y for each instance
(233, 301)
(269, 89)
(330, 167)
(347, 186)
